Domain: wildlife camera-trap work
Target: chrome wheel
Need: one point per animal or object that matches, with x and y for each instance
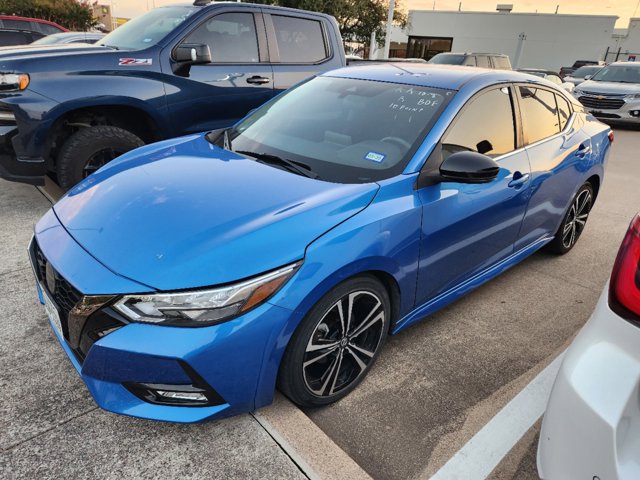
(343, 343)
(576, 218)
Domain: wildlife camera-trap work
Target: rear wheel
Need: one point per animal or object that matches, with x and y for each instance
(337, 343)
(91, 148)
(574, 221)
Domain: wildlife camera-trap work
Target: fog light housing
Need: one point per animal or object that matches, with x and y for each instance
(175, 395)
(635, 113)
(196, 394)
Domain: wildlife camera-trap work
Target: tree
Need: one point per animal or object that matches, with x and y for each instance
(357, 19)
(70, 14)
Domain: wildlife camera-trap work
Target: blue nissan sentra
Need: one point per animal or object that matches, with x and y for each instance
(188, 279)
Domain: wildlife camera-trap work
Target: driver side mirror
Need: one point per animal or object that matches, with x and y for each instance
(587, 77)
(192, 54)
(469, 167)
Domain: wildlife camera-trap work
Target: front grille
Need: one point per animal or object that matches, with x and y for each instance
(83, 322)
(606, 103)
(64, 295)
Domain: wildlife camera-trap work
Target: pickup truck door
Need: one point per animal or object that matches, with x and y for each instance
(300, 46)
(238, 79)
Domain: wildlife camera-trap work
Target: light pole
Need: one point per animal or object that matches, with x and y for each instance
(387, 38)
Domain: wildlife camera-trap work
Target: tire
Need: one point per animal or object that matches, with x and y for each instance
(574, 221)
(89, 149)
(312, 376)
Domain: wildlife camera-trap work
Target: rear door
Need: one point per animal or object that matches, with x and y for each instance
(299, 47)
(467, 228)
(238, 79)
(558, 150)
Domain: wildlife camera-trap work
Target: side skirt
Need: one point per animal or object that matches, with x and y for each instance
(465, 287)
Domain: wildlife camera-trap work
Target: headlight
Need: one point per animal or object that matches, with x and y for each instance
(633, 96)
(10, 82)
(204, 307)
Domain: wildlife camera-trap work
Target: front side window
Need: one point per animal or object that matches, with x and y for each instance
(345, 130)
(539, 113)
(231, 38)
(485, 126)
(299, 40)
(501, 63)
(449, 59)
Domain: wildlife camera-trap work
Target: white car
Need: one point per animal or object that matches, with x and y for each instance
(591, 429)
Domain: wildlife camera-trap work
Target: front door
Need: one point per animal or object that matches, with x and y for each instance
(238, 79)
(466, 228)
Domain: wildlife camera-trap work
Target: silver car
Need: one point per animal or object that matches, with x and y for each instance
(613, 93)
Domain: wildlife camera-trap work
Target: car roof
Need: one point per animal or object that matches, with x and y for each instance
(29, 19)
(474, 53)
(451, 77)
(540, 70)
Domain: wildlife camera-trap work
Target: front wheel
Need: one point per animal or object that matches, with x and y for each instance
(337, 343)
(91, 148)
(574, 221)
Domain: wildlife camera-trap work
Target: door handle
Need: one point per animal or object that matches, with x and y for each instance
(258, 80)
(518, 180)
(583, 150)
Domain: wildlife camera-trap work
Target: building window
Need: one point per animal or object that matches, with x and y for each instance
(427, 47)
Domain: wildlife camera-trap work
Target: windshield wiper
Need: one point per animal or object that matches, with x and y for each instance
(109, 46)
(296, 167)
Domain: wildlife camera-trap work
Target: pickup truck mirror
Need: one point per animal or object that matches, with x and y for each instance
(192, 53)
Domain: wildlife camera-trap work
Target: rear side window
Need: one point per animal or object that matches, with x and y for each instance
(17, 24)
(539, 113)
(231, 37)
(299, 40)
(483, 61)
(48, 29)
(564, 111)
(501, 63)
(484, 126)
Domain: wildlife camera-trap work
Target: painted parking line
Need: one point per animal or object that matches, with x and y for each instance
(486, 449)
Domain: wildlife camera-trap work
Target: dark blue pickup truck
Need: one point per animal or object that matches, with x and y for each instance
(66, 111)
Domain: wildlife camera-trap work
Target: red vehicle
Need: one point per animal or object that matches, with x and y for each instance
(43, 27)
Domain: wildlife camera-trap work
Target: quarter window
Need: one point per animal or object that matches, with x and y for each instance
(299, 40)
(484, 126)
(539, 113)
(231, 37)
(483, 61)
(564, 111)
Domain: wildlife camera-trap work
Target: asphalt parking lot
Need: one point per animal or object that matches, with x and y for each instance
(434, 387)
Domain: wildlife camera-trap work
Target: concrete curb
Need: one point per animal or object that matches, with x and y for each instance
(317, 456)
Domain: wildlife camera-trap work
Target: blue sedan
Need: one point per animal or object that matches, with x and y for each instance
(189, 278)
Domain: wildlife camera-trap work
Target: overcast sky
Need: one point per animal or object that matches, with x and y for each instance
(622, 8)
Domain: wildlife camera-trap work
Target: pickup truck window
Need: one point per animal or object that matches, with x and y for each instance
(231, 38)
(148, 29)
(300, 40)
(345, 130)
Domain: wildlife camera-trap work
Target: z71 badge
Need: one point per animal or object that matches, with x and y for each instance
(135, 61)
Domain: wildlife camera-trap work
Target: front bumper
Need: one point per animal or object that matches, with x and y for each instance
(231, 360)
(614, 109)
(592, 424)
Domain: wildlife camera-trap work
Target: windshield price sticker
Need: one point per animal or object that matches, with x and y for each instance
(375, 157)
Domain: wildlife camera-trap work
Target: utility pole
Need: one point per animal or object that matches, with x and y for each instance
(387, 38)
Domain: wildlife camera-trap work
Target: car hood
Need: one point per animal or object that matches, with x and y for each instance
(186, 214)
(616, 88)
(43, 51)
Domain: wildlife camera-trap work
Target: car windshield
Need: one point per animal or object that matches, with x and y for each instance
(148, 29)
(618, 73)
(344, 130)
(584, 71)
(448, 59)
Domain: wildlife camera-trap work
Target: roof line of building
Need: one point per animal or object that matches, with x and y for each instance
(515, 13)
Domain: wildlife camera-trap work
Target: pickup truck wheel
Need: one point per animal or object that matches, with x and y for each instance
(91, 148)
